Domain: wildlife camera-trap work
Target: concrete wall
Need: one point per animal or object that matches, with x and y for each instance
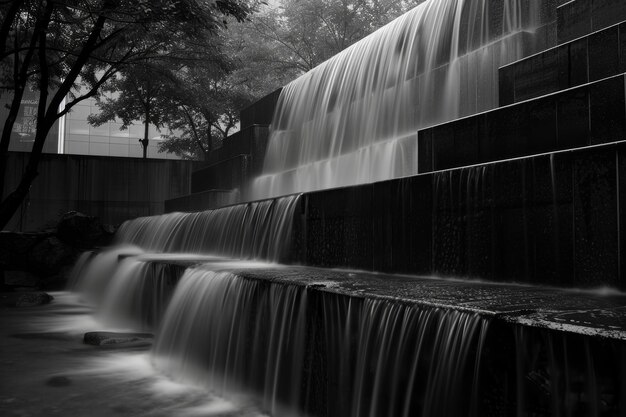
(114, 189)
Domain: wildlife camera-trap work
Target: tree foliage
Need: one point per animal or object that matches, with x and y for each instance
(51, 44)
(276, 46)
(307, 32)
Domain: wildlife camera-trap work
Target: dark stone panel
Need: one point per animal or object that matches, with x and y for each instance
(595, 219)
(260, 112)
(573, 118)
(200, 201)
(298, 245)
(622, 47)
(537, 75)
(563, 63)
(506, 85)
(505, 133)
(445, 154)
(608, 111)
(605, 13)
(258, 147)
(479, 194)
(339, 228)
(425, 150)
(542, 38)
(466, 143)
(604, 59)
(511, 244)
(510, 229)
(449, 225)
(402, 225)
(549, 210)
(578, 73)
(542, 126)
(573, 20)
(621, 219)
(224, 175)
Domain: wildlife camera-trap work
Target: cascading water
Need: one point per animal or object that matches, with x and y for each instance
(257, 230)
(235, 334)
(312, 350)
(354, 118)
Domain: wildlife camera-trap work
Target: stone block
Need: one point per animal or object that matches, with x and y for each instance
(578, 62)
(595, 219)
(339, 228)
(261, 112)
(608, 110)
(550, 244)
(425, 150)
(542, 128)
(622, 47)
(466, 143)
(605, 13)
(505, 133)
(573, 20)
(449, 225)
(224, 175)
(604, 59)
(537, 75)
(402, 225)
(573, 118)
(621, 190)
(444, 152)
(506, 85)
(511, 244)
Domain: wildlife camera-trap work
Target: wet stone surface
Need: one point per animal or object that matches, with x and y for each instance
(600, 312)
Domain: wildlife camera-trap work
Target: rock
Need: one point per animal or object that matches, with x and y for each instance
(58, 381)
(32, 299)
(50, 255)
(82, 231)
(111, 339)
(15, 248)
(21, 279)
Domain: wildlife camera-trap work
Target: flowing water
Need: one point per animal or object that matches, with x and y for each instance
(256, 230)
(353, 119)
(289, 349)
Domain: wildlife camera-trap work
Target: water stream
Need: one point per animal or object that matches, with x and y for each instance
(354, 118)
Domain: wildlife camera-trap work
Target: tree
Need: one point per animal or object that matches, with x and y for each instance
(137, 93)
(273, 48)
(204, 111)
(51, 44)
(308, 32)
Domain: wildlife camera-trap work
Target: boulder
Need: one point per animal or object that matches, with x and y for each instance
(16, 247)
(13, 279)
(32, 299)
(82, 231)
(50, 255)
(59, 381)
(116, 339)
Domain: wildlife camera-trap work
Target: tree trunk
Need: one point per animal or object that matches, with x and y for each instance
(145, 141)
(11, 204)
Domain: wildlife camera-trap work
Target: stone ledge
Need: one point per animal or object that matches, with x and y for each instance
(596, 313)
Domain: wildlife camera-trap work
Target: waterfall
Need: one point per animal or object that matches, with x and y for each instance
(354, 118)
(300, 350)
(256, 230)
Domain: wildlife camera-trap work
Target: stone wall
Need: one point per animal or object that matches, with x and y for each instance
(113, 189)
(550, 219)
